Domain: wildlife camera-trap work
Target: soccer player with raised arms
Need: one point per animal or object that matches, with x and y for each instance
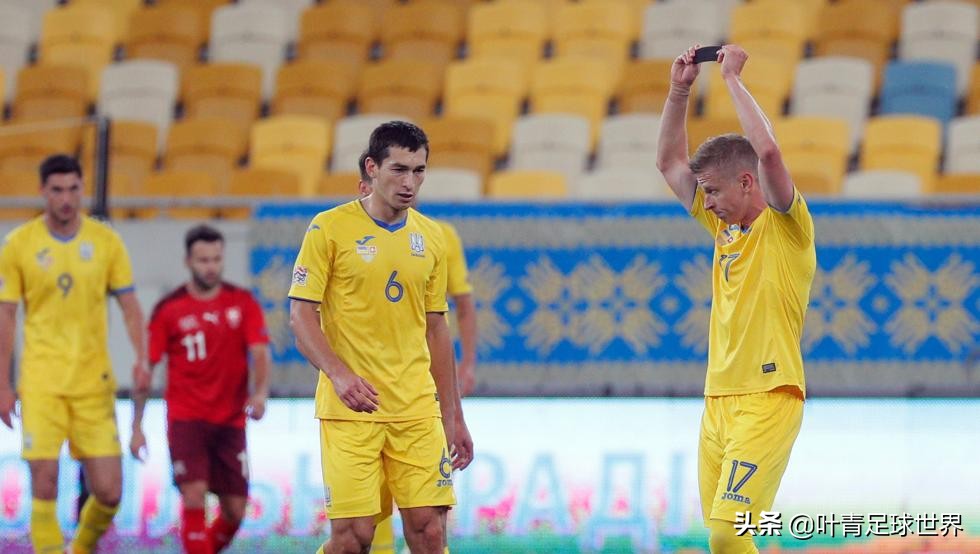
(738, 188)
(63, 266)
(368, 311)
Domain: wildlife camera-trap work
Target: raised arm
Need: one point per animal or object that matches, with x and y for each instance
(672, 159)
(774, 178)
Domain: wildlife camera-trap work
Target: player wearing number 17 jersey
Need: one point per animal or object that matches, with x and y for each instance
(208, 329)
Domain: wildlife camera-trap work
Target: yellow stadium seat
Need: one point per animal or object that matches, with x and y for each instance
(493, 89)
(203, 10)
(23, 149)
(132, 150)
(458, 142)
(769, 81)
(168, 33)
(810, 11)
(862, 29)
(958, 183)
(702, 128)
(636, 10)
(425, 29)
(228, 90)
(400, 86)
(321, 88)
(182, 186)
(973, 94)
(906, 143)
(527, 185)
(813, 179)
(258, 182)
(594, 29)
(815, 144)
(19, 184)
(211, 145)
(578, 86)
(341, 185)
(645, 85)
(121, 11)
(337, 31)
(293, 143)
(512, 30)
(84, 36)
(50, 92)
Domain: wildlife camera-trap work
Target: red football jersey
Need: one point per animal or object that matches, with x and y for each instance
(206, 343)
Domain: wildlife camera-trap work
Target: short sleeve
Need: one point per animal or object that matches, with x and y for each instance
(157, 331)
(707, 219)
(796, 223)
(457, 276)
(312, 269)
(11, 280)
(255, 329)
(435, 287)
(120, 268)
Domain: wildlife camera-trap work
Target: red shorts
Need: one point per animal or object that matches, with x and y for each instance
(202, 451)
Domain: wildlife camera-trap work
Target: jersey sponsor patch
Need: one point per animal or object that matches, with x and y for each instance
(300, 274)
(43, 258)
(366, 251)
(769, 368)
(187, 322)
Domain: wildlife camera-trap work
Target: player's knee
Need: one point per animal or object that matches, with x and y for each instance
(353, 541)
(44, 480)
(429, 532)
(108, 495)
(234, 513)
(725, 540)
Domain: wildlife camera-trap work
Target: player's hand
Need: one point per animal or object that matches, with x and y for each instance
(137, 444)
(142, 377)
(461, 447)
(354, 391)
(256, 405)
(467, 378)
(732, 59)
(8, 406)
(684, 71)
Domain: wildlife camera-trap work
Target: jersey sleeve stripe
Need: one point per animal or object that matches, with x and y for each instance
(300, 298)
(123, 290)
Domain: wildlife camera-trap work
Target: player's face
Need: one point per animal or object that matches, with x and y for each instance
(398, 179)
(206, 262)
(63, 196)
(724, 196)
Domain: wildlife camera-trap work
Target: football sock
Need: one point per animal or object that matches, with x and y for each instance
(46, 534)
(92, 524)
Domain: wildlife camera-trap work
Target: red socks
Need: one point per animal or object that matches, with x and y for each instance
(221, 532)
(194, 532)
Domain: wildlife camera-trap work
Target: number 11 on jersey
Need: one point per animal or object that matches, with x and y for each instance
(196, 348)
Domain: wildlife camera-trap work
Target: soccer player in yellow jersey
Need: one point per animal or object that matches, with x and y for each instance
(368, 310)
(739, 190)
(63, 265)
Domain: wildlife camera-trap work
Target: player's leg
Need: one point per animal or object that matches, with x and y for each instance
(45, 420)
(189, 457)
(228, 478)
(384, 528)
(350, 452)
(222, 530)
(420, 478)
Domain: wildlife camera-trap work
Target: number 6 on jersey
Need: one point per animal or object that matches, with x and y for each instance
(393, 284)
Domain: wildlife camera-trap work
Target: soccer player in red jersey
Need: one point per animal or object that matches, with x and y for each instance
(209, 330)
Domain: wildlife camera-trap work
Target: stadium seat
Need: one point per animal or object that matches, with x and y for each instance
(211, 145)
(973, 95)
(229, 90)
(251, 33)
(635, 10)
(769, 81)
(488, 88)
(36, 10)
(814, 144)
(15, 44)
(513, 30)
(958, 183)
(944, 32)
(551, 142)
(173, 187)
(835, 87)
(669, 28)
(576, 86)
(919, 88)
(342, 31)
(629, 140)
(451, 184)
(460, 143)
(527, 185)
(19, 184)
(858, 28)
(775, 29)
(259, 182)
(79, 35)
(645, 85)
(46, 92)
(351, 136)
(293, 10)
(402, 86)
(963, 146)
(882, 184)
(133, 147)
(168, 33)
(701, 129)
(121, 12)
(23, 149)
(141, 90)
(321, 88)
(905, 143)
(594, 30)
(424, 29)
(292, 143)
(203, 9)
(338, 185)
(621, 183)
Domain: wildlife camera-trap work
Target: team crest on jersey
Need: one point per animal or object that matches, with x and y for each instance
(187, 322)
(366, 251)
(417, 242)
(300, 274)
(234, 316)
(211, 317)
(43, 258)
(86, 250)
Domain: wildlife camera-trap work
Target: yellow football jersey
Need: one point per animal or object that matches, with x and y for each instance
(458, 278)
(761, 287)
(375, 283)
(64, 285)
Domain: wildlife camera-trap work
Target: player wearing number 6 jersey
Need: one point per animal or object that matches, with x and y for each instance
(208, 330)
(368, 310)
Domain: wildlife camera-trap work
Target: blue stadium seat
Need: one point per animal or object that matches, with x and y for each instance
(920, 88)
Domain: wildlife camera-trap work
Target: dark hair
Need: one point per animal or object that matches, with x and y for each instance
(396, 133)
(728, 153)
(362, 167)
(57, 164)
(200, 233)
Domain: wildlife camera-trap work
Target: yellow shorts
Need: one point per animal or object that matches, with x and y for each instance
(88, 423)
(745, 445)
(361, 457)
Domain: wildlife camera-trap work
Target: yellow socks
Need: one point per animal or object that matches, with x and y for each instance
(384, 537)
(92, 524)
(46, 534)
(725, 540)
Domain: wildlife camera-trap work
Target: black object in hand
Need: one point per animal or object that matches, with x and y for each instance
(706, 54)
